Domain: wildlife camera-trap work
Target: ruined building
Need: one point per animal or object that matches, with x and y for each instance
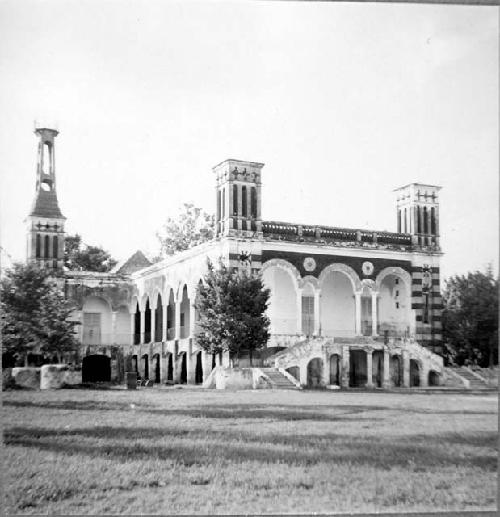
(348, 307)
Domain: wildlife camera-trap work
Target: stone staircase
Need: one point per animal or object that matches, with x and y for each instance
(475, 381)
(278, 380)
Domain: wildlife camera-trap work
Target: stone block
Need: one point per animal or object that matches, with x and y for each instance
(53, 376)
(26, 377)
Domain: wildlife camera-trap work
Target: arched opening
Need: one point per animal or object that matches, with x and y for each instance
(337, 305)
(185, 313)
(145, 366)
(134, 364)
(46, 158)
(122, 326)
(433, 221)
(235, 199)
(426, 223)
(198, 372)
(433, 378)
(315, 373)
(282, 308)
(244, 211)
(171, 317)
(394, 307)
(294, 371)
(253, 202)
(96, 321)
(46, 247)
(137, 325)
(147, 323)
(414, 373)
(395, 370)
(358, 370)
(335, 366)
(419, 219)
(55, 247)
(96, 368)
(158, 319)
(378, 368)
(214, 361)
(38, 246)
(183, 376)
(157, 368)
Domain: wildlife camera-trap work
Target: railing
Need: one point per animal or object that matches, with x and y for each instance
(298, 232)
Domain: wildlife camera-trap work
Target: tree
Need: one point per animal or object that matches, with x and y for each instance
(231, 306)
(193, 226)
(470, 318)
(34, 313)
(79, 256)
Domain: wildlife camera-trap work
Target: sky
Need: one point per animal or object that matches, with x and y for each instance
(343, 102)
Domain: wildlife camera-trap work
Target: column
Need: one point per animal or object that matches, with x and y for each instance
(153, 324)
(429, 229)
(206, 362)
(344, 375)
(436, 219)
(317, 315)
(132, 327)
(357, 299)
(143, 319)
(249, 207)
(164, 323)
(369, 369)
(299, 311)
(405, 356)
(192, 320)
(190, 368)
(240, 206)
(177, 320)
(374, 313)
(112, 339)
(386, 382)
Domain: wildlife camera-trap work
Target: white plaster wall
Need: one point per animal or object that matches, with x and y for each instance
(391, 317)
(338, 310)
(282, 309)
(122, 329)
(98, 305)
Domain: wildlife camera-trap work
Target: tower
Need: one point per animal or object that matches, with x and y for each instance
(418, 212)
(45, 222)
(238, 192)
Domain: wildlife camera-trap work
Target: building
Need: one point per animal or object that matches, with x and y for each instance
(348, 307)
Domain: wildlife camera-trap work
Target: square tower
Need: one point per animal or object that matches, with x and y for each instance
(238, 200)
(418, 212)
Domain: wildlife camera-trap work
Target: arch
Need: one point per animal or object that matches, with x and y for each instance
(393, 270)
(55, 247)
(341, 268)
(147, 321)
(171, 316)
(285, 266)
(185, 315)
(315, 373)
(309, 280)
(282, 308)
(394, 305)
(38, 246)
(46, 251)
(335, 369)
(157, 331)
(96, 368)
(434, 378)
(414, 373)
(137, 324)
(170, 368)
(358, 368)
(96, 319)
(395, 370)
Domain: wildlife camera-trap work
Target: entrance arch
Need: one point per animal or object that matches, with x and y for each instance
(335, 367)
(337, 312)
(358, 368)
(145, 366)
(315, 373)
(414, 373)
(96, 368)
(156, 368)
(183, 376)
(433, 378)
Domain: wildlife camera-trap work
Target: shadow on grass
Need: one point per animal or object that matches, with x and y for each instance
(204, 447)
(71, 405)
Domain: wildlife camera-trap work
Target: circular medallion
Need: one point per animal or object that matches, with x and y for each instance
(309, 264)
(367, 268)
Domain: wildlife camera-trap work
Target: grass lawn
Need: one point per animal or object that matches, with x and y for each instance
(196, 451)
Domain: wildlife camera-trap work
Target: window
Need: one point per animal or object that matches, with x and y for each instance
(397, 305)
(254, 202)
(244, 202)
(235, 199)
(47, 247)
(426, 223)
(38, 246)
(54, 247)
(396, 281)
(433, 221)
(397, 293)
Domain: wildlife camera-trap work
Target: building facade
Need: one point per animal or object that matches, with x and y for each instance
(348, 307)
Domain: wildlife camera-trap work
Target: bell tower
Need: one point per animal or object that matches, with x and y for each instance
(238, 198)
(418, 212)
(45, 222)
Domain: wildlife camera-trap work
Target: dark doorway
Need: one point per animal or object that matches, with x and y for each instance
(378, 368)
(414, 374)
(145, 366)
(335, 369)
(357, 368)
(170, 368)
(294, 371)
(315, 373)
(157, 366)
(183, 379)
(198, 374)
(433, 378)
(214, 361)
(96, 368)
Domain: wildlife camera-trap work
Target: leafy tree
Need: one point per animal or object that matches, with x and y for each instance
(231, 306)
(79, 256)
(34, 313)
(470, 318)
(193, 226)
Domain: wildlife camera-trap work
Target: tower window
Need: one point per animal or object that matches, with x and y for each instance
(397, 305)
(433, 221)
(46, 246)
(244, 201)
(426, 223)
(419, 220)
(38, 246)
(54, 247)
(253, 201)
(235, 199)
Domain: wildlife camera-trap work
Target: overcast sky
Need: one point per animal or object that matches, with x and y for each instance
(342, 102)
